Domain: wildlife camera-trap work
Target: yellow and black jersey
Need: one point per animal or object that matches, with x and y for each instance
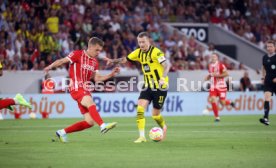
(0, 65)
(151, 65)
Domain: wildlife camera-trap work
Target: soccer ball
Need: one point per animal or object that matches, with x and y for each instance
(32, 115)
(205, 112)
(156, 134)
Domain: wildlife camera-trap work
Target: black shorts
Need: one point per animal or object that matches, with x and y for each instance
(270, 88)
(156, 96)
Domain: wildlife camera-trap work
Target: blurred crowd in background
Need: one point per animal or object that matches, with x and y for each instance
(34, 33)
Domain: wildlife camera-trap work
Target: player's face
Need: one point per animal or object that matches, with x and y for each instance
(270, 48)
(214, 58)
(143, 43)
(95, 50)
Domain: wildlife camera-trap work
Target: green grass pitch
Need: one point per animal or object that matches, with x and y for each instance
(192, 141)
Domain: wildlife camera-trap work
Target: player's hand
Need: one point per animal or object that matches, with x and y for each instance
(274, 80)
(208, 77)
(47, 69)
(115, 70)
(108, 61)
(162, 81)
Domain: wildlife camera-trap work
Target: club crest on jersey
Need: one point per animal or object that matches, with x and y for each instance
(88, 67)
(273, 66)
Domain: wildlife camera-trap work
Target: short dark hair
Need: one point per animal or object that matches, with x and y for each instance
(271, 42)
(95, 40)
(143, 34)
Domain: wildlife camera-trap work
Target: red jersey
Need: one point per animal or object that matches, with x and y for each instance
(217, 83)
(81, 70)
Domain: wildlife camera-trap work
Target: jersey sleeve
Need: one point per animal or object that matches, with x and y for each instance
(73, 57)
(158, 55)
(1, 66)
(134, 55)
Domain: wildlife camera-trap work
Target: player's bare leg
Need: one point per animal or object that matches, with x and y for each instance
(88, 102)
(156, 115)
(265, 120)
(227, 103)
(17, 100)
(141, 121)
(215, 108)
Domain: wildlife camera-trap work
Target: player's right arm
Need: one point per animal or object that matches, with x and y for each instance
(263, 73)
(131, 57)
(72, 57)
(208, 77)
(55, 64)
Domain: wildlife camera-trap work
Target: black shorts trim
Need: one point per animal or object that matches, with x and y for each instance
(156, 96)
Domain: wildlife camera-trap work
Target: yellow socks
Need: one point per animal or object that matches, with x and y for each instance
(141, 121)
(160, 120)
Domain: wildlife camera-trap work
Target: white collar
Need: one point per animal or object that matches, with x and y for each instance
(214, 64)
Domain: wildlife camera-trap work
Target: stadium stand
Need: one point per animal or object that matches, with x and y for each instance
(35, 33)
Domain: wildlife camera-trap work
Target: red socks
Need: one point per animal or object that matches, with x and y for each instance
(215, 109)
(79, 126)
(227, 102)
(95, 115)
(4, 103)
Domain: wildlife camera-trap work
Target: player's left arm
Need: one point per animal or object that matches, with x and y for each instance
(223, 74)
(99, 78)
(166, 67)
(1, 69)
(160, 56)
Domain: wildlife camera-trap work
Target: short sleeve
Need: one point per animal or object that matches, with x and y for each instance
(1, 66)
(73, 57)
(134, 55)
(159, 55)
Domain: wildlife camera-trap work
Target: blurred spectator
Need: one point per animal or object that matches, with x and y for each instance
(52, 22)
(245, 83)
(54, 28)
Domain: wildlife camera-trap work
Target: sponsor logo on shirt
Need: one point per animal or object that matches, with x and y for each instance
(88, 67)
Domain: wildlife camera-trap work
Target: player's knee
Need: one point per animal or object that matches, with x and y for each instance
(222, 102)
(140, 112)
(90, 122)
(267, 97)
(212, 100)
(87, 101)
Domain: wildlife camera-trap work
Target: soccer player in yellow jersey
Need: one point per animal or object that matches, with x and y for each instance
(155, 69)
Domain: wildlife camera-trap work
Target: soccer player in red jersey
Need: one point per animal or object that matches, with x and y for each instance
(17, 100)
(84, 66)
(218, 87)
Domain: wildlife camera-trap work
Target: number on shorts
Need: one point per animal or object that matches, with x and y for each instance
(161, 99)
